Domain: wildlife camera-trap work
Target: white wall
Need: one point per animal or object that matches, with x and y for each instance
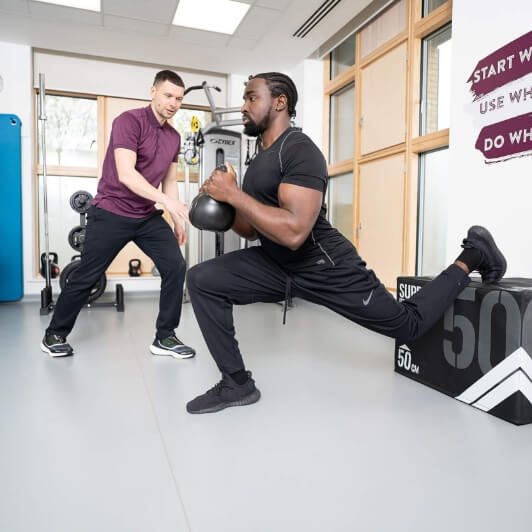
(77, 74)
(116, 78)
(308, 77)
(497, 195)
(19, 70)
(16, 98)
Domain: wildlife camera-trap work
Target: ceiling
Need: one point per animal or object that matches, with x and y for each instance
(141, 31)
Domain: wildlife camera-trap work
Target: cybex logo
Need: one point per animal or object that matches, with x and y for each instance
(223, 141)
(407, 290)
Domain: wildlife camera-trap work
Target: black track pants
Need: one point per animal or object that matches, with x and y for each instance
(107, 234)
(349, 288)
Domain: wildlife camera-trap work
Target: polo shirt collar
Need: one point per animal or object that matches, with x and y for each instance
(151, 118)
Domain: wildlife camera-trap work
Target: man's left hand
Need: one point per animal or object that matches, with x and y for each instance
(221, 185)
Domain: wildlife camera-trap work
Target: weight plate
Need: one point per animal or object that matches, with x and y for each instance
(76, 238)
(96, 291)
(80, 201)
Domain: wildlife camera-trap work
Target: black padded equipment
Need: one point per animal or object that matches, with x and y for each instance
(210, 215)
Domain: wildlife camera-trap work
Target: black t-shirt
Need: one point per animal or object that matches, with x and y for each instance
(293, 158)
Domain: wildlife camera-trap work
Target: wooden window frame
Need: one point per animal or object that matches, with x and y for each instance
(417, 28)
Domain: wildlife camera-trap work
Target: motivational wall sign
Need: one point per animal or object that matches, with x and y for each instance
(496, 90)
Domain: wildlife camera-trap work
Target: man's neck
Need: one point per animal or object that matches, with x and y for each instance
(157, 116)
(273, 133)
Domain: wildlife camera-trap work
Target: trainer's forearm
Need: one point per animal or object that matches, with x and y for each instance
(138, 184)
(275, 223)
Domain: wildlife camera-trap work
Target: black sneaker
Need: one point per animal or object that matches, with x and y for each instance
(171, 346)
(493, 264)
(224, 394)
(56, 346)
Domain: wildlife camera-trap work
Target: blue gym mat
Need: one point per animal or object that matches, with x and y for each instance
(11, 280)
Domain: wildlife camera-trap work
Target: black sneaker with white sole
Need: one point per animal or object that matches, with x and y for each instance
(171, 346)
(225, 394)
(493, 264)
(56, 346)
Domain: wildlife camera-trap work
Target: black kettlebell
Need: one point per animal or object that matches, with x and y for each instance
(134, 268)
(53, 260)
(210, 215)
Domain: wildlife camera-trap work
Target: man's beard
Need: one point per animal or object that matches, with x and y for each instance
(252, 129)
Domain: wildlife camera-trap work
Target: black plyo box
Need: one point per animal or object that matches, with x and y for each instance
(480, 351)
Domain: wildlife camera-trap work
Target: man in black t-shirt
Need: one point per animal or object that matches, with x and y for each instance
(282, 204)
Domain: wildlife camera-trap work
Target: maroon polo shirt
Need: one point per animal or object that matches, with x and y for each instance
(156, 147)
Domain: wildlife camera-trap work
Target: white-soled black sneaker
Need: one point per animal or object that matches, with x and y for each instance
(171, 346)
(56, 346)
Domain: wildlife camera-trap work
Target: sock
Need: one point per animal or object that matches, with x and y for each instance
(471, 257)
(240, 377)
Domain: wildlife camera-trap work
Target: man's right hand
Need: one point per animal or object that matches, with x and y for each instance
(177, 209)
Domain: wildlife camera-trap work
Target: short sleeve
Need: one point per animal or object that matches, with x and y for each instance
(126, 132)
(303, 164)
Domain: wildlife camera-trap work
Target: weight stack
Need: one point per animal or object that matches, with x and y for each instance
(480, 351)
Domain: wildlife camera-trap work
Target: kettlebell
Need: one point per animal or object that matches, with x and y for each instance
(208, 214)
(53, 260)
(134, 268)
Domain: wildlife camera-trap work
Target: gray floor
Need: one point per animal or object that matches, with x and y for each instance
(339, 442)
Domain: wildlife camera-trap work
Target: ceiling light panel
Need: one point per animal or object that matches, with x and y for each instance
(222, 16)
(89, 5)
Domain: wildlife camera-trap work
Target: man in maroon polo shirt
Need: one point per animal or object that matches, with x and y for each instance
(142, 154)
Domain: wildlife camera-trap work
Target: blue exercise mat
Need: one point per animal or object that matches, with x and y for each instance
(11, 280)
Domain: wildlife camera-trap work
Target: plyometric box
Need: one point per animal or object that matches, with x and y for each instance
(480, 351)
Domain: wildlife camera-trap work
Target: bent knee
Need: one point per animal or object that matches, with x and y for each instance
(197, 277)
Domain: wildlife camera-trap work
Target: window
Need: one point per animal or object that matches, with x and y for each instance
(71, 131)
(433, 209)
(343, 57)
(436, 81)
(341, 130)
(340, 204)
(431, 5)
(386, 26)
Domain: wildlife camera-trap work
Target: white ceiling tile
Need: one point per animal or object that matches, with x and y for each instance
(14, 6)
(39, 10)
(257, 22)
(133, 25)
(241, 44)
(273, 4)
(158, 11)
(205, 38)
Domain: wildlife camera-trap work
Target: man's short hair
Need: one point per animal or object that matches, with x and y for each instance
(278, 84)
(168, 75)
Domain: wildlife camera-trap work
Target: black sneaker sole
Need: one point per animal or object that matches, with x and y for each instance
(46, 349)
(253, 397)
(483, 233)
